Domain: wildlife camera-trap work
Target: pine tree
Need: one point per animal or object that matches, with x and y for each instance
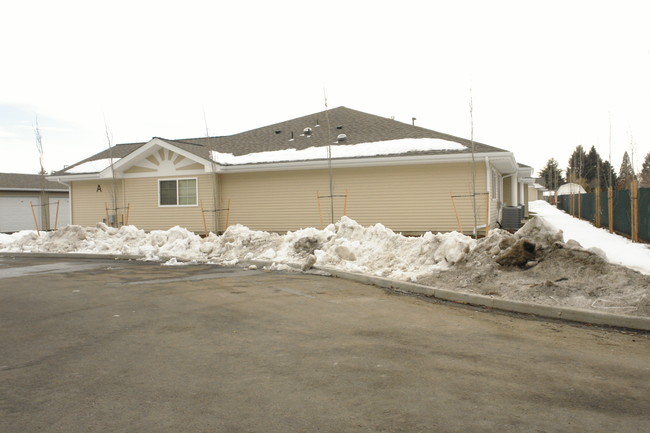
(552, 175)
(593, 170)
(644, 176)
(576, 170)
(626, 173)
(608, 175)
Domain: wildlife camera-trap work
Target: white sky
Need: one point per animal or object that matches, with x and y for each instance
(545, 76)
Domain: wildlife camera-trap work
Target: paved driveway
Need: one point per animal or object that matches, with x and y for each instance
(113, 346)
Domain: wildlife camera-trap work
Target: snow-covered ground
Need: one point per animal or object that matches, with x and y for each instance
(619, 250)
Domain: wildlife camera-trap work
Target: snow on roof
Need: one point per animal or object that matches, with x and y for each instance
(92, 166)
(391, 147)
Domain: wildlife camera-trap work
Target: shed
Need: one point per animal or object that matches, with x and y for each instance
(21, 193)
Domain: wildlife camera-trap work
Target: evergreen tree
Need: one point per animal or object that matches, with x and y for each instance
(593, 167)
(552, 175)
(608, 175)
(644, 176)
(626, 173)
(576, 170)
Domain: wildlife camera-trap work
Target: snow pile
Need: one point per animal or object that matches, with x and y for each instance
(346, 245)
(391, 147)
(535, 265)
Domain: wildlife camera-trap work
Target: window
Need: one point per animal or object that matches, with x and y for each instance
(177, 192)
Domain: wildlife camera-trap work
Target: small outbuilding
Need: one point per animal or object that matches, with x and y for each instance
(24, 197)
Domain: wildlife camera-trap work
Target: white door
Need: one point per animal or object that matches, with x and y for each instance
(16, 214)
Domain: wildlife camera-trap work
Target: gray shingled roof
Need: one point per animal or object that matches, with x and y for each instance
(118, 151)
(359, 127)
(31, 182)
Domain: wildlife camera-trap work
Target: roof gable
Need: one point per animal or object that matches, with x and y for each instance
(160, 157)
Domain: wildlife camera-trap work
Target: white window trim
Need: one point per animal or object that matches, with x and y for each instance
(196, 187)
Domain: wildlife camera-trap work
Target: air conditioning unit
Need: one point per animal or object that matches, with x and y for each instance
(512, 217)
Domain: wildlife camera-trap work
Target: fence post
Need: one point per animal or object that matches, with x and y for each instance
(579, 205)
(634, 218)
(610, 208)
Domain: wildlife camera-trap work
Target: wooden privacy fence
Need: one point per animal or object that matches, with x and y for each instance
(626, 212)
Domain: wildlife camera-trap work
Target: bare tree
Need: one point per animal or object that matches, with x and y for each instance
(109, 138)
(43, 206)
(471, 124)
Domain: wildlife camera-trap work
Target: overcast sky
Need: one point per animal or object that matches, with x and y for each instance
(543, 76)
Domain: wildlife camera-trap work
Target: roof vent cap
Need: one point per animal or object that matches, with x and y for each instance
(341, 138)
(307, 132)
(278, 131)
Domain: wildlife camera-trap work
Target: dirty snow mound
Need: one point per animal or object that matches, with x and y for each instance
(534, 265)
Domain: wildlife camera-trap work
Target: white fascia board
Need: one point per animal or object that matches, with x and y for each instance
(504, 162)
(524, 172)
(125, 162)
(362, 162)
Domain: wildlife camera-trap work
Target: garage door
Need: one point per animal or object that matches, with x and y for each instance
(64, 212)
(16, 214)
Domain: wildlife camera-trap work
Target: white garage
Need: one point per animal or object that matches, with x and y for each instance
(25, 196)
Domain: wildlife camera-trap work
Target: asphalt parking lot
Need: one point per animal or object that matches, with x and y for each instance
(128, 346)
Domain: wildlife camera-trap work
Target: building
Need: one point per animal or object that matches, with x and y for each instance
(26, 197)
(305, 172)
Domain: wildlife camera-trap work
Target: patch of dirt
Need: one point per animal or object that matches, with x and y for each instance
(534, 265)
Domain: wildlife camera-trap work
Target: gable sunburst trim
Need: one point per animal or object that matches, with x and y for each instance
(164, 161)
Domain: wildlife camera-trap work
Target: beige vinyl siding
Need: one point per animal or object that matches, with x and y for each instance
(145, 213)
(89, 203)
(141, 196)
(408, 199)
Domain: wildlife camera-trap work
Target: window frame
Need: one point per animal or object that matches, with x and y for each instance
(176, 180)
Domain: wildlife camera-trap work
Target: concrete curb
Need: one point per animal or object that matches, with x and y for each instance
(562, 313)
